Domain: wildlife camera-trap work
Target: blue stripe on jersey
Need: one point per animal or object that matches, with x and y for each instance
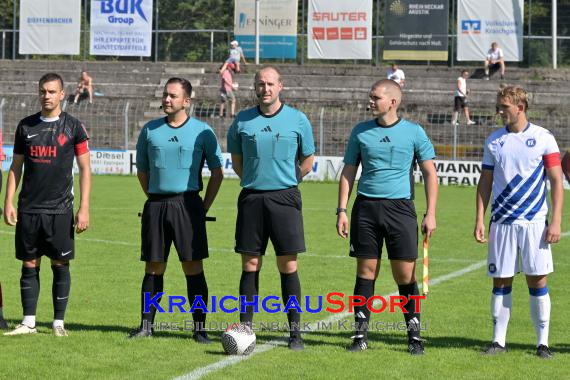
(535, 193)
(505, 193)
(530, 215)
(512, 201)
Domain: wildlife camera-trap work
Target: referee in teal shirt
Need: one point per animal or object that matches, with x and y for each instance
(272, 148)
(387, 147)
(171, 152)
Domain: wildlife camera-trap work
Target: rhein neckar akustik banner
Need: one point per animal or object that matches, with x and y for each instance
(49, 26)
(121, 27)
(277, 28)
(416, 30)
(482, 22)
(339, 29)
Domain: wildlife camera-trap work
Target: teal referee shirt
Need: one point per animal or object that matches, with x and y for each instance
(270, 146)
(174, 157)
(387, 155)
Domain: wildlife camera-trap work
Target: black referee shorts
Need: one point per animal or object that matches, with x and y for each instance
(45, 234)
(275, 215)
(375, 221)
(174, 218)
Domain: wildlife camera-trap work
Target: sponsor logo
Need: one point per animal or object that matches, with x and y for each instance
(530, 142)
(31, 136)
(266, 129)
(43, 151)
(123, 7)
(397, 8)
(471, 26)
(65, 253)
(386, 139)
(173, 139)
(62, 298)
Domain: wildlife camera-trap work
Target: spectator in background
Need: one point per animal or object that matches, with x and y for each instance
(495, 60)
(236, 56)
(460, 101)
(85, 84)
(396, 74)
(227, 90)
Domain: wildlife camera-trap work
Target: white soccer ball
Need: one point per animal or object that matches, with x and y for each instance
(238, 340)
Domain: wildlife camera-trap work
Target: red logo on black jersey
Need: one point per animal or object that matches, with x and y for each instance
(61, 139)
(43, 151)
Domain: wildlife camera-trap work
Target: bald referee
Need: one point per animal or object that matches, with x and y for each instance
(387, 147)
(171, 152)
(272, 148)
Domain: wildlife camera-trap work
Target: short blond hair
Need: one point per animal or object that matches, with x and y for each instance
(515, 94)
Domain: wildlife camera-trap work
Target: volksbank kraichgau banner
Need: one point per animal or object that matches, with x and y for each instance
(482, 22)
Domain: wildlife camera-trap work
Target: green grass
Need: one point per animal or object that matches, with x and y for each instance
(107, 273)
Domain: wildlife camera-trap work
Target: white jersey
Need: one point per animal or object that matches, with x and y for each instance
(397, 75)
(461, 87)
(518, 161)
(495, 55)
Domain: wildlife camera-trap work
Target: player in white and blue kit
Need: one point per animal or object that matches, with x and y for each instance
(516, 162)
(387, 147)
(272, 148)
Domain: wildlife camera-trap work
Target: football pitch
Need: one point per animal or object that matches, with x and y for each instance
(107, 274)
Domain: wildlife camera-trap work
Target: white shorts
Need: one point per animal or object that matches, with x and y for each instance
(515, 248)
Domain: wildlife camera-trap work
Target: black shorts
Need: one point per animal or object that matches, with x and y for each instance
(460, 103)
(374, 221)
(174, 218)
(275, 215)
(45, 234)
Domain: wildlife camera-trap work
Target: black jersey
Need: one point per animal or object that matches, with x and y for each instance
(49, 148)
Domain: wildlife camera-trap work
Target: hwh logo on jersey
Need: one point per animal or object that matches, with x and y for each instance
(122, 7)
(43, 151)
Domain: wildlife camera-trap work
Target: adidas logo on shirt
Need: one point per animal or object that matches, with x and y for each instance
(385, 139)
(173, 139)
(266, 129)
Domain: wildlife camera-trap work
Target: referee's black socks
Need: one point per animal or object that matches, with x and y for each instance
(412, 316)
(152, 284)
(364, 288)
(197, 286)
(248, 287)
(291, 286)
(60, 289)
(30, 289)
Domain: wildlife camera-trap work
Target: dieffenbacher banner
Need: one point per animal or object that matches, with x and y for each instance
(49, 26)
(277, 28)
(416, 29)
(121, 27)
(482, 22)
(339, 29)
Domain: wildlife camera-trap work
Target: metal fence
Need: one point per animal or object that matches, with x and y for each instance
(116, 124)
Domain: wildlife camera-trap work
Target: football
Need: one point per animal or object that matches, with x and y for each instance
(238, 340)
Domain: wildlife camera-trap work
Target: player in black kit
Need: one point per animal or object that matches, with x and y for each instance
(45, 145)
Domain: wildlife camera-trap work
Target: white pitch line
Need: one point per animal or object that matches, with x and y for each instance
(203, 371)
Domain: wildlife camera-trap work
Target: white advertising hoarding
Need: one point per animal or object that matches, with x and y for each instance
(121, 27)
(50, 26)
(482, 22)
(339, 29)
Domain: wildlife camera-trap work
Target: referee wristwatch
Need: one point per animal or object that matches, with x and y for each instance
(339, 210)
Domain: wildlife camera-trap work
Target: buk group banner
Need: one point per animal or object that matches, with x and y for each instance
(49, 26)
(416, 29)
(277, 28)
(121, 27)
(339, 29)
(482, 22)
